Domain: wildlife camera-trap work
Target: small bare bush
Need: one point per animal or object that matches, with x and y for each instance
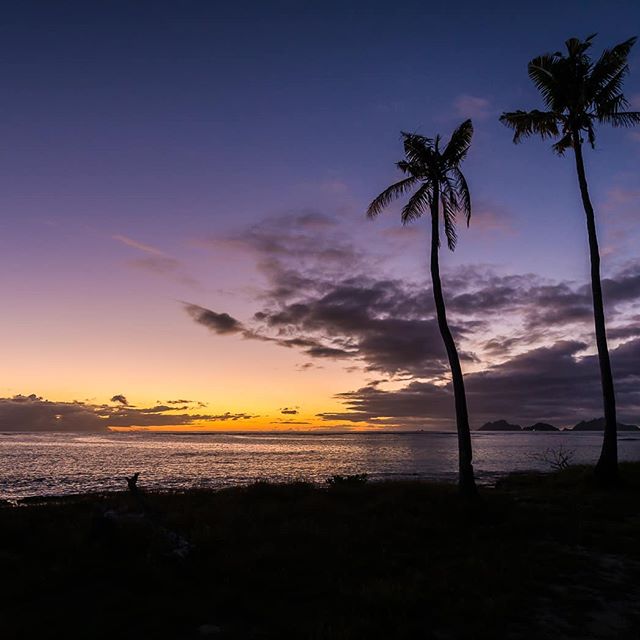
(557, 458)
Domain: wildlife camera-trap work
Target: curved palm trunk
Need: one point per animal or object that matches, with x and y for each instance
(607, 467)
(465, 456)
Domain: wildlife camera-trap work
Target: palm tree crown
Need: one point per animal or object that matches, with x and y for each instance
(437, 175)
(577, 93)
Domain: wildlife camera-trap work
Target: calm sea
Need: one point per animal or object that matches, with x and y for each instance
(58, 464)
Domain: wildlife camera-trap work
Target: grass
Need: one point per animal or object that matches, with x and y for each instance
(539, 556)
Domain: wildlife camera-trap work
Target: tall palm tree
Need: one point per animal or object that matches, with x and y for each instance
(578, 93)
(439, 187)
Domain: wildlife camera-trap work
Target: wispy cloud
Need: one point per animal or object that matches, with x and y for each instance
(491, 219)
(622, 208)
(157, 261)
(475, 107)
(138, 245)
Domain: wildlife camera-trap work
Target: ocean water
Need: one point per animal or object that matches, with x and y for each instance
(65, 463)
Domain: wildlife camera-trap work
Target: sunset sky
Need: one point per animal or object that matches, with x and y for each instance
(183, 239)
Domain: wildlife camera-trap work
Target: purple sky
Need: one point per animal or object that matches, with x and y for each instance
(165, 163)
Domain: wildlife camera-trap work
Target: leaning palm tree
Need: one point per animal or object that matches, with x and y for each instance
(439, 188)
(577, 94)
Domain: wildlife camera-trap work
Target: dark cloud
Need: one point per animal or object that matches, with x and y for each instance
(224, 417)
(313, 347)
(289, 411)
(180, 404)
(33, 413)
(158, 417)
(624, 286)
(120, 399)
(352, 321)
(321, 298)
(540, 303)
(520, 336)
(390, 326)
(305, 366)
(626, 332)
(312, 305)
(552, 384)
(220, 323)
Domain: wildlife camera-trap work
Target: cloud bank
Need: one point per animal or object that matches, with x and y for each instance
(526, 341)
(33, 413)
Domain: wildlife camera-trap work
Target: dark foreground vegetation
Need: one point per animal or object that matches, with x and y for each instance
(539, 556)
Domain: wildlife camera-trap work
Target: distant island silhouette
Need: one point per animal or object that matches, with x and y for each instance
(597, 424)
(541, 426)
(500, 425)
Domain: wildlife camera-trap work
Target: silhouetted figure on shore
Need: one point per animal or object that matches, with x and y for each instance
(137, 495)
(132, 483)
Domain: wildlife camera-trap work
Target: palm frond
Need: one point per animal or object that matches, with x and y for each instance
(613, 105)
(528, 123)
(622, 118)
(405, 167)
(455, 199)
(577, 47)
(458, 145)
(419, 202)
(612, 90)
(463, 193)
(611, 63)
(543, 71)
(448, 188)
(563, 144)
(449, 211)
(417, 149)
(391, 193)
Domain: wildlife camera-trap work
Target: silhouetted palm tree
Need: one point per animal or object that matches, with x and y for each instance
(577, 94)
(440, 187)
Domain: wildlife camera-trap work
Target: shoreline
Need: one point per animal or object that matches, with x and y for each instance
(486, 481)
